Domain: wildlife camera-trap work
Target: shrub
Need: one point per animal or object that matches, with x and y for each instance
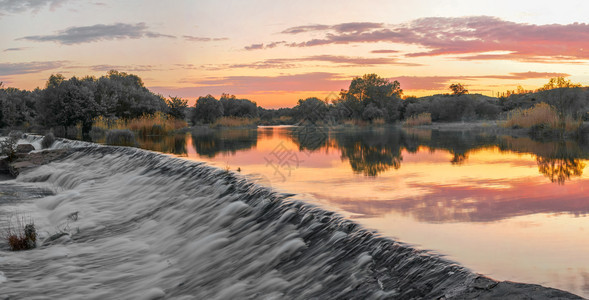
(48, 140)
(20, 234)
(8, 144)
(121, 137)
(421, 119)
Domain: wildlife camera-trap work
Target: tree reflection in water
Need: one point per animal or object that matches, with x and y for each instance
(560, 170)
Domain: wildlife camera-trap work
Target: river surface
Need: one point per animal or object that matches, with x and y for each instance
(511, 208)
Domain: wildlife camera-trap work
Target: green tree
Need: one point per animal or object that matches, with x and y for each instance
(69, 102)
(177, 107)
(372, 89)
(311, 109)
(207, 110)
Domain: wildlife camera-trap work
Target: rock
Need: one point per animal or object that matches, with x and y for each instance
(4, 165)
(24, 148)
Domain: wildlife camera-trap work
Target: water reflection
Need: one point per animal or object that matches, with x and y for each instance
(502, 205)
(209, 142)
(372, 152)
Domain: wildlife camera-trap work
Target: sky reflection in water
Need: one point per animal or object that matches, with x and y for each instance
(512, 208)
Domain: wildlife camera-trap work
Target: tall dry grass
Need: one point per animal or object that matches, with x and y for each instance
(20, 233)
(420, 119)
(542, 114)
(156, 124)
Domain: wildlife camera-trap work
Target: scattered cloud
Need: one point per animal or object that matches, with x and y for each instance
(14, 49)
(17, 6)
(98, 32)
(254, 47)
(29, 67)
(203, 39)
(475, 35)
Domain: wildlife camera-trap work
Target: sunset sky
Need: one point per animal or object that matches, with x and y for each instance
(276, 52)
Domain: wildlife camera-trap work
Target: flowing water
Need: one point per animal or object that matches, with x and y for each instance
(512, 208)
(126, 223)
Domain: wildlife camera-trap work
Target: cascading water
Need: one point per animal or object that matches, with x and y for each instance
(125, 223)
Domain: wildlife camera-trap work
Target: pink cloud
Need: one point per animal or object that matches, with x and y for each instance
(464, 35)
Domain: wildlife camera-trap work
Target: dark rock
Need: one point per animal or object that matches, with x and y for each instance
(24, 148)
(4, 165)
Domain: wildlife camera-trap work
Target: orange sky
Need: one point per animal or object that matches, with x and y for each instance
(276, 52)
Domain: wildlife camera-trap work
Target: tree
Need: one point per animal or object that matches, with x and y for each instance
(458, 89)
(242, 108)
(69, 102)
(372, 89)
(207, 110)
(559, 82)
(311, 109)
(177, 107)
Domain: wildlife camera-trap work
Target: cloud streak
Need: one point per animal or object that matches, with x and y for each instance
(14, 49)
(339, 60)
(203, 39)
(98, 32)
(29, 67)
(17, 6)
(475, 35)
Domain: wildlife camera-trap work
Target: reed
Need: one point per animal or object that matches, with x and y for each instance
(541, 115)
(146, 125)
(420, 119)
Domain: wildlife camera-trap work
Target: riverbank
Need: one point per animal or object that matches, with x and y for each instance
(149, 225)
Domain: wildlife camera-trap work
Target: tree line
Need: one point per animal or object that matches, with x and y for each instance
(69, 102)
(369, 99)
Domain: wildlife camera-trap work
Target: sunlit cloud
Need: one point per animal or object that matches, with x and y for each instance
(462, 35)
(442, 82)
(98, 32)
(203, 39)
(29, 67)
(17, 6)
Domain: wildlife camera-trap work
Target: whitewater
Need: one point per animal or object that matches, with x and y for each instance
(127, 223)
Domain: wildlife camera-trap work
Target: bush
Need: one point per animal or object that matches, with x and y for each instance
(48, 140)
(121, 137)
(8, 144)
(20, 234)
